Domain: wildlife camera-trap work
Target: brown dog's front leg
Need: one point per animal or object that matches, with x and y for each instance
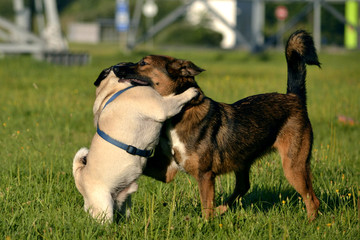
(164, 173)
(161, 166)
(207, 192)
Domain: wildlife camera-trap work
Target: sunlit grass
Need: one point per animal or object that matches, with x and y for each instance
(46, 117)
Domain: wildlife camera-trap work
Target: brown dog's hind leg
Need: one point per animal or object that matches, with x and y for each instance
(207, 193)
(295, 149)
(241, 187)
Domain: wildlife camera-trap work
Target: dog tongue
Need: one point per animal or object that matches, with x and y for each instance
(139, 82)
(134, 81)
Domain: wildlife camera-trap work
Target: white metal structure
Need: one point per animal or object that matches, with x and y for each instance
(17, 37)
(256, 40)
(224, 8)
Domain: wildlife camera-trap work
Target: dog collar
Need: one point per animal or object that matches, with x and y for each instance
(128, 148)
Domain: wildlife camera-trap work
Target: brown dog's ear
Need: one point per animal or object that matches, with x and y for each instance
(183, 68)
(102, 76)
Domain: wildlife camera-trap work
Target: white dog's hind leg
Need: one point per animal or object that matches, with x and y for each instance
(79, 163)
(101, 206)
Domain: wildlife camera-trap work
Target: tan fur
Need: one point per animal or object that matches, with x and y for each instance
(105, 174)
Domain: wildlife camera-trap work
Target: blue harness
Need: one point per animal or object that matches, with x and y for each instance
(128, 148)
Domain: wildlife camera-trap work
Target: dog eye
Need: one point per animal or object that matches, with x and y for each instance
(143, 63)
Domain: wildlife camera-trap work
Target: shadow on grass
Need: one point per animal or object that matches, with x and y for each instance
(264, 199)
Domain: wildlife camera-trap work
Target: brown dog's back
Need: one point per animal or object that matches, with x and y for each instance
(231, 137)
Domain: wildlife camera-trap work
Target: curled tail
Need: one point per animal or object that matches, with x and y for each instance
(79, 161)
(300, 50)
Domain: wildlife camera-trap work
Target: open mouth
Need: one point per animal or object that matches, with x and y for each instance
(126, 74)
(135, 81)
(139, 82)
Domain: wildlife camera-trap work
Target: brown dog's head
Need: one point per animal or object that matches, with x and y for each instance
(165, 74)
(169, 75)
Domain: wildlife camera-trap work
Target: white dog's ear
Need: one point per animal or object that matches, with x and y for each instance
(102, 76)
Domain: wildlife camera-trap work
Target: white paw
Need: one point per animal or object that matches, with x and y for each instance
(133, 187)
(192, 92)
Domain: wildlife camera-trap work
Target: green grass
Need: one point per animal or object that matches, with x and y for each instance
(46, 116)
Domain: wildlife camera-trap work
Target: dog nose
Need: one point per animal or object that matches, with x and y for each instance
(118, 70)
(123, 68)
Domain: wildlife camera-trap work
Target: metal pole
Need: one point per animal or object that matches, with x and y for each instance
(317, 24)
(20, 18)
(134, 24)
(257, 25)
(52, 32)
(40, 20)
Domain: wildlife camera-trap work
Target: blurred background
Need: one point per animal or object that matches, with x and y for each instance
(51, 29)
(46, 112)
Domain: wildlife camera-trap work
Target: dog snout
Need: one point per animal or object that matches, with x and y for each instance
(124, 68)
(122, 64)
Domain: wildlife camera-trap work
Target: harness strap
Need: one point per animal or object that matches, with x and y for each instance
(128, 148)
(116, 95)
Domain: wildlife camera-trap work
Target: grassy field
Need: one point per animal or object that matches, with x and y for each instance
(46, 116)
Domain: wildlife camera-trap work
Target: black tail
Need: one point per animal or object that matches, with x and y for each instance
(300, 50)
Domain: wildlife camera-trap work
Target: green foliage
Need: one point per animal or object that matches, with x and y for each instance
(46, 117)
(332, 29)
(6, 9)
(184, 34)
(89, 10)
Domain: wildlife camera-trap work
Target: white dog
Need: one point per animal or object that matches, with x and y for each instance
(106, 174)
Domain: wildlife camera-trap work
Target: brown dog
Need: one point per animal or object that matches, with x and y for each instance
(209, 138)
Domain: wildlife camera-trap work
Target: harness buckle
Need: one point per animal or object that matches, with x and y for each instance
(152, 153)
(131, 149)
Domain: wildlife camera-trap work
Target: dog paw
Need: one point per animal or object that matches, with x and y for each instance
(133, 187)
(220, 210)
(193, 92)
